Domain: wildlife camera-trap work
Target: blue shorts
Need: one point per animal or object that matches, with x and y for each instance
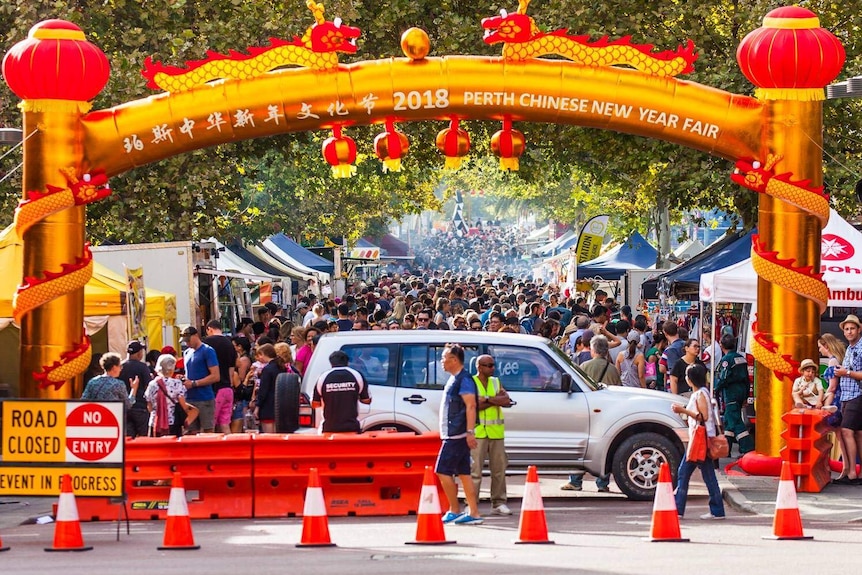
(239, 409)
(454, 457)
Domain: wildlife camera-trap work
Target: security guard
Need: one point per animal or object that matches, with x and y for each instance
(489, 434)
(731, 380)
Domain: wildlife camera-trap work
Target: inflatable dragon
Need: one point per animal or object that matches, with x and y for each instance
(318, 48)
(522, 40)
(803, 280)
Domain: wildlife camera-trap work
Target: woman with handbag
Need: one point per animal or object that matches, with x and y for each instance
(701, 426)
(163, 395)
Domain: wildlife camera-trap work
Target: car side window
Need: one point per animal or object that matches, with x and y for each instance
(373, 362)
(421, 367)
(525, 369)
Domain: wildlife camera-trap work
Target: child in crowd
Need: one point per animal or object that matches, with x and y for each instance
(808, 389)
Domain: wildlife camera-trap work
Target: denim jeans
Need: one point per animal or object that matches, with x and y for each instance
(577, 479)
(707, 470)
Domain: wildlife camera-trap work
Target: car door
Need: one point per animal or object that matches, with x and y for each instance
(547, 425)
(376, 363)
(421, 379)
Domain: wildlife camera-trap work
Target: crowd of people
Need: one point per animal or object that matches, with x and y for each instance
(487, 246)
(226, 382)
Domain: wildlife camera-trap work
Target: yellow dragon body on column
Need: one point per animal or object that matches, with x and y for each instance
(802, 280)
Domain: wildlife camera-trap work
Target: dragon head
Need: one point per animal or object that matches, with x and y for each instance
(325, 36)
(752, 174)
(90, 187)
(510, 28)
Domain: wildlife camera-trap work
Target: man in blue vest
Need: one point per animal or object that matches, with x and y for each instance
(491, 399)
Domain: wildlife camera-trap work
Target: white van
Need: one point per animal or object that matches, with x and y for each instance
(562, 419)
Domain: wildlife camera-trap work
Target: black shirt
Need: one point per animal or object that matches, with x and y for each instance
(130, 369)
(226, 355)
(340, 390)
(679, 371)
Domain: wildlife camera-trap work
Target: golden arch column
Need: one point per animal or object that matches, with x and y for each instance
(55, 72)
(791, 60)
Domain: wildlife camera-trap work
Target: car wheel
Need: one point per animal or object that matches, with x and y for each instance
(286, 403)
(637, 461)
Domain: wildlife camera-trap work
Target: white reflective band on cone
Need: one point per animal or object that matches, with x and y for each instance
(532, 500)
(177, 505)
(429, 501)
(314, 505)
(664, 500)
(786, 496)
(66, 508)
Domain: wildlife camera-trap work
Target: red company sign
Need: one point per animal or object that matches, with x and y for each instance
(835, 249)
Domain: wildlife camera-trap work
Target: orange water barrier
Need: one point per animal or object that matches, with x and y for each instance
(266, 475)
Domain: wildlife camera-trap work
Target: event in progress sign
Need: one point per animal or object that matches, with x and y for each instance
(44, 440)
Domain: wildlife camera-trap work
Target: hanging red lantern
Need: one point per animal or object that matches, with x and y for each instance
(454, 143)
(790, 57)
(508, 145)
(390, 146)
(340, 153)
(56, 62)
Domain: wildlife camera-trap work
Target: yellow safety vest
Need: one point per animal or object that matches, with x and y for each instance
(490, 422)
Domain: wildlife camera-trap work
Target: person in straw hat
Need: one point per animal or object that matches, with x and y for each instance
(850, 376)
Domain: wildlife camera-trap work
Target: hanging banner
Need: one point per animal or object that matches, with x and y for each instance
(137, 298)
(589, 246)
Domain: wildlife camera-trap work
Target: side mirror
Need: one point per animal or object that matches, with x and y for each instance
(566, 383)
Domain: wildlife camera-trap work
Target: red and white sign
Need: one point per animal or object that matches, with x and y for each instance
(835, 248)
(94, 433)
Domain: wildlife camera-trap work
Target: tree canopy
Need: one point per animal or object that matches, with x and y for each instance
(252, 189)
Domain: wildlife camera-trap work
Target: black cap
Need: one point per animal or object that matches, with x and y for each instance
(134, 347)
(188, 332)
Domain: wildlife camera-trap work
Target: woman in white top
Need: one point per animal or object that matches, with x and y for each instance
(699, 409)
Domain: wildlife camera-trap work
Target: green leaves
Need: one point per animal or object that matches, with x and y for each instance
(251, 189)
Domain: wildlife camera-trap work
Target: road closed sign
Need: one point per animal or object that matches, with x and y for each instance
(41, 440)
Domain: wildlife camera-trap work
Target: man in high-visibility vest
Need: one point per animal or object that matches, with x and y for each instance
(491, 399)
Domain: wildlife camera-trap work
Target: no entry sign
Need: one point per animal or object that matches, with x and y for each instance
(92, 434)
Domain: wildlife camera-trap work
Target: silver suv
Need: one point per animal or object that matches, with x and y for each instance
(562, 419)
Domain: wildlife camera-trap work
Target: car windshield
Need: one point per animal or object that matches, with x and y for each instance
(568, 361)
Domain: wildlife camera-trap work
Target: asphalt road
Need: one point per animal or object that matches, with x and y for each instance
(594, 533)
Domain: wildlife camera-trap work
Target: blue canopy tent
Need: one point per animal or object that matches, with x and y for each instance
(685, 278)
(300, 254)
(634, 254)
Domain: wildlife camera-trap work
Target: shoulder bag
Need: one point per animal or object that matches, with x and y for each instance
(718, 445)
(697, 443)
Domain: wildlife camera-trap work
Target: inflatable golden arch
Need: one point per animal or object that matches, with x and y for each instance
(301, 85)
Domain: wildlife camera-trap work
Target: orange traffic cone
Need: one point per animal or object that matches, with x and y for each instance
(787, 523)
(315, 525)
(665, 521)
(429, 526)
(178, 527)
(3, 548)
(67, 532)
(532, 527)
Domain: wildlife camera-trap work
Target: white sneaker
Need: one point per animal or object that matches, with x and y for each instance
(830, 408)
(711, 516)
(501, 509)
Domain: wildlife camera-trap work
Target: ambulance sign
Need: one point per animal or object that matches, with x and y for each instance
(42, 438)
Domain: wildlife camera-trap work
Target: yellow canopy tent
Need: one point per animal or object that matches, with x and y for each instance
(104, 298)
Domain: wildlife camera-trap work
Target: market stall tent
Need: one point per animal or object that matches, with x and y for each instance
(104, 309)
(633, 254)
